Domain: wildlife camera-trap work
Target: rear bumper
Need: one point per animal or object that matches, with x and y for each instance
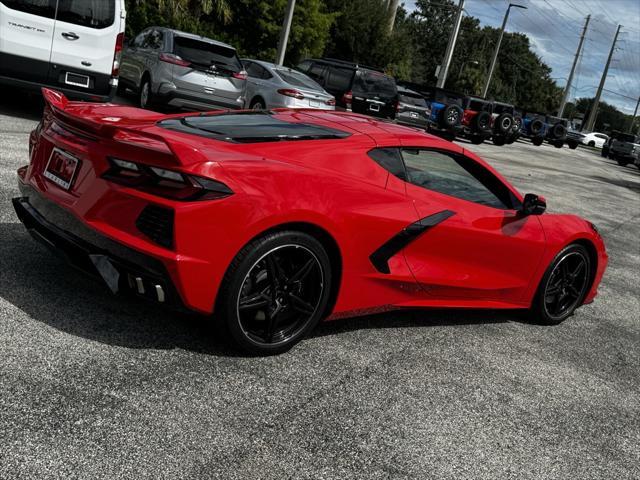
(120, 268)
(180, 99)
(71, 94)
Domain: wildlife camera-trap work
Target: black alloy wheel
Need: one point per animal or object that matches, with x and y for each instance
(275, 291)
(564, 286)
(482, 122)
(537, 141)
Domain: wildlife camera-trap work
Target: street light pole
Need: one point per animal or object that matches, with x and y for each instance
(593, 114)
(495, 52)
(284, 33)
(567, 89)
(444, 71)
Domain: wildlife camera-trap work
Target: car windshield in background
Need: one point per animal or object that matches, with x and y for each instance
(249, 127)
(374, 82)
(412, 99)
(297, 79)
(626, 137)
(206, 54)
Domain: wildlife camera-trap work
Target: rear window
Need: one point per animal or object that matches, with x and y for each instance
(374, 82)
(502, 109)
(297, 79)
(42, 8)
(250, 127)
(479, 106)
(412, 99)
(87, 13)
(206, 54)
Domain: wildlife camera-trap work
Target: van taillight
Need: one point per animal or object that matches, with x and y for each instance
(117, 54)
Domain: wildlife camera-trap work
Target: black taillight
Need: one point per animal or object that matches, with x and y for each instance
(165, 183)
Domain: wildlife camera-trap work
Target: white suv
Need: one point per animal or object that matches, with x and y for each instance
(72, 45)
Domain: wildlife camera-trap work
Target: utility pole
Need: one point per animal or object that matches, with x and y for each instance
(284, 33)
(567, 89)
(633, 119)
(448, 54)
(591, 121)
(495, 52)
(393, 9)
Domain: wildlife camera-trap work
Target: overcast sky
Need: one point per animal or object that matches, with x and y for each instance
(554, 27)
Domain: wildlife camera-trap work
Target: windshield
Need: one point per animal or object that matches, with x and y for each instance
(207, 54)
(377, 83)
(297, 79)
(412, 99)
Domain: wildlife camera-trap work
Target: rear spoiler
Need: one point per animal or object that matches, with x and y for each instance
(94, 119)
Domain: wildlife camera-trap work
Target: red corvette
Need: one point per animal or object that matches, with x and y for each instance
(276, 220)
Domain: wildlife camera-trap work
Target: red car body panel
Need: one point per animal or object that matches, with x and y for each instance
(481, 257)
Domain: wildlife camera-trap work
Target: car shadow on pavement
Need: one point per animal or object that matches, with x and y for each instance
(47, 289)
(21, 104)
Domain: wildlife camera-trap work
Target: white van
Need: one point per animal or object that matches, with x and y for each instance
(71, 45)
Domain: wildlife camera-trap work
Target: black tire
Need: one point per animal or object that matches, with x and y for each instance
(558, 131)
(499, 141)
(257, 104)
(481, 123)
(537, 141)
(558, 143)
(261, 281)
(503, 123)
(558, 295)
(450, 116)
(477, 139)
(591, 143)
(145, 95)
(622, 162)
(572, 145)
(536, 126)
(604, 152)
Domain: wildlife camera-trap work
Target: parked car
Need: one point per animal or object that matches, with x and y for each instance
(446, 111)
(556, 131)
(534, 127)
(503, 123)
(274, 221)
(412, 109)
(625, 149)
(73, 46)
(355, 87)
(273, 86)
(476, 120)
(182, 70)
(594, 139)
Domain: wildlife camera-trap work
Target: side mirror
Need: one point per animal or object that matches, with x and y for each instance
(533, 204)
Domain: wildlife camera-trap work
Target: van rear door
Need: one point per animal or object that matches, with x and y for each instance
(84, 41)
(26, 31)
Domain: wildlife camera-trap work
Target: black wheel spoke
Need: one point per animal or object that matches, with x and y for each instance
(302, 272)
(254, 302)
(300, 305)
(578, 270)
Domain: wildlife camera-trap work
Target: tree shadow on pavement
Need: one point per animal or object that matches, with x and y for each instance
(50, 291)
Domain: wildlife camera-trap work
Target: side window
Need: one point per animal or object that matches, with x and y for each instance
(140, 39)
(316, 72)
(251, 68)
(155, 40)
(304, 66)
(41, 8)
(389, 159)
(339, 79)
(87, 13)
(457, 176)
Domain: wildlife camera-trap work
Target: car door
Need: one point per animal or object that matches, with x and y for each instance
(26, 30)
(84, 36)
(478, 245)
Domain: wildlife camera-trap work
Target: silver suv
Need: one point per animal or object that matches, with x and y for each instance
(625, 149)
(182, 70)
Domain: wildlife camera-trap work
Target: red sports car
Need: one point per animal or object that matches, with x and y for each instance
(275, 220)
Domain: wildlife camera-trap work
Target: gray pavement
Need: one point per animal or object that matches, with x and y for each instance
(93, 386)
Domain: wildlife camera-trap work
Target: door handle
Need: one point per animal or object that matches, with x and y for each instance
(70, 36)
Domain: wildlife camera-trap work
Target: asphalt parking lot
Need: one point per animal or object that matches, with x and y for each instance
(93, 386)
